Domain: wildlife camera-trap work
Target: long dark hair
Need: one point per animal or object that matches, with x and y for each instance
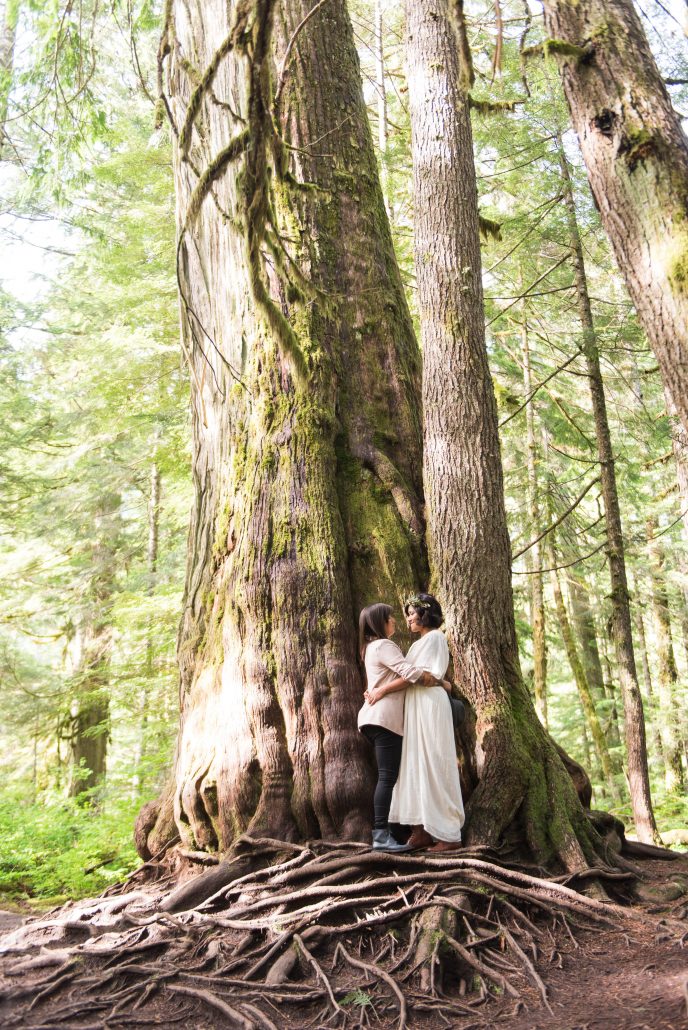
(372, 623)
(427, 608)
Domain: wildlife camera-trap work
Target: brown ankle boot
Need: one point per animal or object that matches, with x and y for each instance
(445, 845)
(419, 840)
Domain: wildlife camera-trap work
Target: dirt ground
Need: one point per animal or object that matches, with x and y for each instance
(627, 978)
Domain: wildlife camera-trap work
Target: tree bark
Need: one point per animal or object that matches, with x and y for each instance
(668, 673)
(636, 747)
(521, 774)
(636, 155)
(537, 600)
(305, 382)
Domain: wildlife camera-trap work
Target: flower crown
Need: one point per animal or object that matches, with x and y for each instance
(415, 601)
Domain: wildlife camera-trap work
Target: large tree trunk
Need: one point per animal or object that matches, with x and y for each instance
(521, 774)
(636, 155)
(307, 439)
(636, 747)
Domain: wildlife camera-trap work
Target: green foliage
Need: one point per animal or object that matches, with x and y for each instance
(94, 404)
(58, 849)
(356, 997)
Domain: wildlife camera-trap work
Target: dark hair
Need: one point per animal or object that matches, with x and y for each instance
(372, 623)
(427, 608)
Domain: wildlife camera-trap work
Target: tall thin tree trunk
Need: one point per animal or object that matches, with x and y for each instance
(611, 694)
(9, 15)
(679, 445)
(151, 568)
(537, 600)
(90, 709)
(90, 653)
(588, 753)
(34, 763)
(668, 674)
(636, 155)
(636, 748)
(647, 675)
(584, 690)
(468, 542)
(381, 88)
(306, 459)
(586, 634)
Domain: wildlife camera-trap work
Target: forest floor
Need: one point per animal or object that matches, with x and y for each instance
(76, 967)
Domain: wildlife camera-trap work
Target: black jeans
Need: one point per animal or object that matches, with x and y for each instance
(388, 757)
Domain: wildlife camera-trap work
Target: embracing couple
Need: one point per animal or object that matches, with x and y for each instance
(407, 718)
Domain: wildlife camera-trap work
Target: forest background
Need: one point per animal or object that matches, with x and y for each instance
(95, 437)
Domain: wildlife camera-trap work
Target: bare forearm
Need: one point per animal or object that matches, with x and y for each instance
(426, 680)
(393, 687)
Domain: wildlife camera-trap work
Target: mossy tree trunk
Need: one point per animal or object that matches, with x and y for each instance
(636, 156)
(305, 382)
(521, 774)
(634, 718)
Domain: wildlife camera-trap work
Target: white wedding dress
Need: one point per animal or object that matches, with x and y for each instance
(428, 790)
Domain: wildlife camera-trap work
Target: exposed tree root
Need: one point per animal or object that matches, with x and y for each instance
(332, 935)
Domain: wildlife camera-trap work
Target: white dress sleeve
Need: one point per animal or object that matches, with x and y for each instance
(432, 653)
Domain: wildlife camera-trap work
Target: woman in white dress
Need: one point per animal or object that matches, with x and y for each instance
(427, 794)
